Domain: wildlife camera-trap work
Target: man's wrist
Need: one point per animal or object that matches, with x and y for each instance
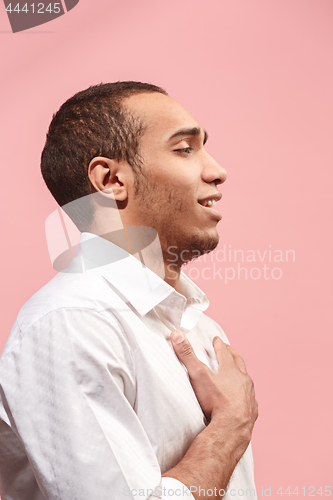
(211, 458)
(234, 441)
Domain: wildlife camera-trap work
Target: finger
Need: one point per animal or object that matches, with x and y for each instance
(184, 351)
(239, 361)
(221, 351)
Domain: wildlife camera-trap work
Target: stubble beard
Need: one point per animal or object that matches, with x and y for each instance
(183, 251)
(182, 247)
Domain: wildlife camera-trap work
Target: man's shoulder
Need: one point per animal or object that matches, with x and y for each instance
(66, 297)
(65, 291)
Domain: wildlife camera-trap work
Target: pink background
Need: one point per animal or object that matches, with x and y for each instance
(258, 75)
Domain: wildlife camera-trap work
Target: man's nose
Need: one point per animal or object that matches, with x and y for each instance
(213, 172)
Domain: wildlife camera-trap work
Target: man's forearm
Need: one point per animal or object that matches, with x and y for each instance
(209, 462)
(226, 397)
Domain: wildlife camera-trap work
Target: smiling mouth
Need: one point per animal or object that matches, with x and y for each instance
(208, 203)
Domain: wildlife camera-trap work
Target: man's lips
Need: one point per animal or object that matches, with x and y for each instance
(208, 204)
(216, 197)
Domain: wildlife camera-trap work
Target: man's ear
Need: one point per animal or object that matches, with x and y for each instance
(109, 177)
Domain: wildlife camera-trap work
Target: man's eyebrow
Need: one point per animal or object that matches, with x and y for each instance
(189, 131)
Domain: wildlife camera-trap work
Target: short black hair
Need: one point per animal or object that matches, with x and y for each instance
(91, 123)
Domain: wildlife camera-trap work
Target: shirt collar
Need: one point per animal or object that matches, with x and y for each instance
(140, 286)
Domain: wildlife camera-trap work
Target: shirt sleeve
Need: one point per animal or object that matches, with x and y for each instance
(171, 489)
(69, 393)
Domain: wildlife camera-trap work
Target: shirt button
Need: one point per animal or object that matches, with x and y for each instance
(173, 301)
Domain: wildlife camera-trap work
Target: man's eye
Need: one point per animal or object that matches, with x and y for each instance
(184, 150)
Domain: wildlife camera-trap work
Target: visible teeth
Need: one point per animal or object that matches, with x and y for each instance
(209, 203)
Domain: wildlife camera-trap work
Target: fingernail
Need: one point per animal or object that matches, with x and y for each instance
(177, 337)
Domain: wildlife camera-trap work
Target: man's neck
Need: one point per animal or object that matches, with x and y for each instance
(172, 274)
(151, 256)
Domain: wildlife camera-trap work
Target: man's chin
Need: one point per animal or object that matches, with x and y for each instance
(202, 246)
(193, 249)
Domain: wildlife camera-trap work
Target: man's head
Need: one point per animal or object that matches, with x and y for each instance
(92, 123)
(161, 181)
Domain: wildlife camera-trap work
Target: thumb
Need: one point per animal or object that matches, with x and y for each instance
(184, 350)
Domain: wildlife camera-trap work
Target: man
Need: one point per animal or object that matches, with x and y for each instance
(98, 400)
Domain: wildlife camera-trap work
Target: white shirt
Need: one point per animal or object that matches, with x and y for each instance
(95, 404)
